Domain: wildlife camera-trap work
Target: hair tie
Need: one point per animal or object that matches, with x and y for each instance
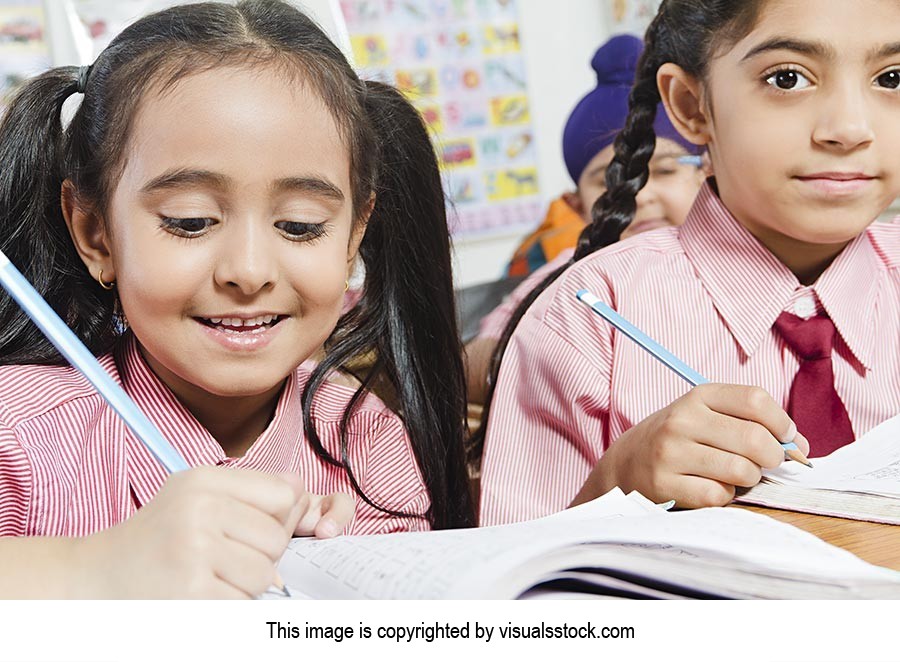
(81, 83)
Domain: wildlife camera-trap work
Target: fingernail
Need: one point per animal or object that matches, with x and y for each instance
(328, 528)
(790, 435)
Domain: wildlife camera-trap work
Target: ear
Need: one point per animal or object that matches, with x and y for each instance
(88, 232)
(359, 230)
(682, 95)
(572, 199)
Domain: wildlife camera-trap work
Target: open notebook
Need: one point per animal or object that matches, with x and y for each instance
(858, 481)
(615, 546)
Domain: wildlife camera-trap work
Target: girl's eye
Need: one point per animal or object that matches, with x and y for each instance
(187, 227)
(296, 231)
(889, 79)
(788, 79)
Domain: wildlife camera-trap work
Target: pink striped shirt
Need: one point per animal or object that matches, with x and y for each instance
(70, 467)
(710, 293)
(493, 324)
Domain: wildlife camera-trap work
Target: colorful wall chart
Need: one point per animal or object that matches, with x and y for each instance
(631, 16)
(23, 44)
(460, 63)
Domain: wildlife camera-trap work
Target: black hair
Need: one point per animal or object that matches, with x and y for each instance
(410, 335)
(689, 33)
(406, 319)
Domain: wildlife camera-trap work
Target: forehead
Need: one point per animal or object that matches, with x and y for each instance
(252, 126)
(841, 31)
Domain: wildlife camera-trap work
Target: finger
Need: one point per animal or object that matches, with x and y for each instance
(243, 568)
(750, 403)
(715, 464)
(746, 438)
(247, 525)
(326, 516)
(699, 492)
(337, 512)
(275, 495)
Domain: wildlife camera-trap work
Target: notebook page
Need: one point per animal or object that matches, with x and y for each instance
(750, 538)
(504, 561)
(871, 464)
(430, 565)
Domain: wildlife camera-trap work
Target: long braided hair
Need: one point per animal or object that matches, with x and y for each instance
(688, 33)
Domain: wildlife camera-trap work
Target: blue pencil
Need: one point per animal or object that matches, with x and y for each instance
(664, 356)
(78, 355)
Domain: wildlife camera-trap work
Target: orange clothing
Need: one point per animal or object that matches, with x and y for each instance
(558, 232)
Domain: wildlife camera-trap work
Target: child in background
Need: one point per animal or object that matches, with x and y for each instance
(588, 150)
(224, 169)
(778, 279)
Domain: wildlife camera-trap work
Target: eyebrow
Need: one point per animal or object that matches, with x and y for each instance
(815, 49)
(188, 178)
(185, 178)
(812, 48)
(885, 51)
(317, 186)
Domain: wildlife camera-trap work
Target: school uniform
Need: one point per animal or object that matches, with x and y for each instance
(709, 292)
(493, 324)
(70, 467)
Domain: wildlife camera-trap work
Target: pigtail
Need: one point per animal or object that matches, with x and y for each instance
(406, 321)
(33, 233)
(629, 170)
(612, 213)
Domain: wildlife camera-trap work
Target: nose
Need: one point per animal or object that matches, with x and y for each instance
(843, 121)
(648, 195)
(246, 262)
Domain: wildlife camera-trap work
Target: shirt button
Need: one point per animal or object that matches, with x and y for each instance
(805, 307)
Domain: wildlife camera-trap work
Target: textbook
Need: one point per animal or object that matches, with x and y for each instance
(616, 546)
(858, 481)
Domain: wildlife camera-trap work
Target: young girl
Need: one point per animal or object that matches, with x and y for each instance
(224, 169)
(778, 287)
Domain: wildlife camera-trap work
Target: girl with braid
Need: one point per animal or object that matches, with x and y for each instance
(195, 223)
(780, 286)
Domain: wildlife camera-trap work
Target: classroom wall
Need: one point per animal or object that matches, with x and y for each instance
(558, 39)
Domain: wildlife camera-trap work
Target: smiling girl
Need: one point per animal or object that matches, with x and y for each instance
(779, 286)
(224, 170)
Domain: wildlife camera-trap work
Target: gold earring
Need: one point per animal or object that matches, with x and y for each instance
(346, 285)
(106, 286)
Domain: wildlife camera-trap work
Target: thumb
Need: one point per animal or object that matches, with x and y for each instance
(327, 516)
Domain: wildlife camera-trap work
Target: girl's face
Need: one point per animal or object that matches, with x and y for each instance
(804, 122)
(230, 232)
(664, 201)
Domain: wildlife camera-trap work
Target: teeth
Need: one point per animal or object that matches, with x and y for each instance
(238, 323)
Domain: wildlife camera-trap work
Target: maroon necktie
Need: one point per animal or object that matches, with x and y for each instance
(814, 405)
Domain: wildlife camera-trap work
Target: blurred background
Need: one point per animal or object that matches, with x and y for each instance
(494, 79)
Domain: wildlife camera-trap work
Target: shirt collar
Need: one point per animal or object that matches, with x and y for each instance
(275, 449)
(750, 293)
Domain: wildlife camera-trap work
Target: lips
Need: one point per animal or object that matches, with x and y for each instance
(836, 184)
(836, 176)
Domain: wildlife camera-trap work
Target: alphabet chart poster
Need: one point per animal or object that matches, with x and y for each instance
(460, 63)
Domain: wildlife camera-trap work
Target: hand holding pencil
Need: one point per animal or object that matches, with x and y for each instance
(210, 532)
(702, 446)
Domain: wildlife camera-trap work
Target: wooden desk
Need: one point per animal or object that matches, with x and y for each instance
(875, 543)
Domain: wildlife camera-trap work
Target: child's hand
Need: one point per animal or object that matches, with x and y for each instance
(697, 449)
(210, 532)
(323, 516)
